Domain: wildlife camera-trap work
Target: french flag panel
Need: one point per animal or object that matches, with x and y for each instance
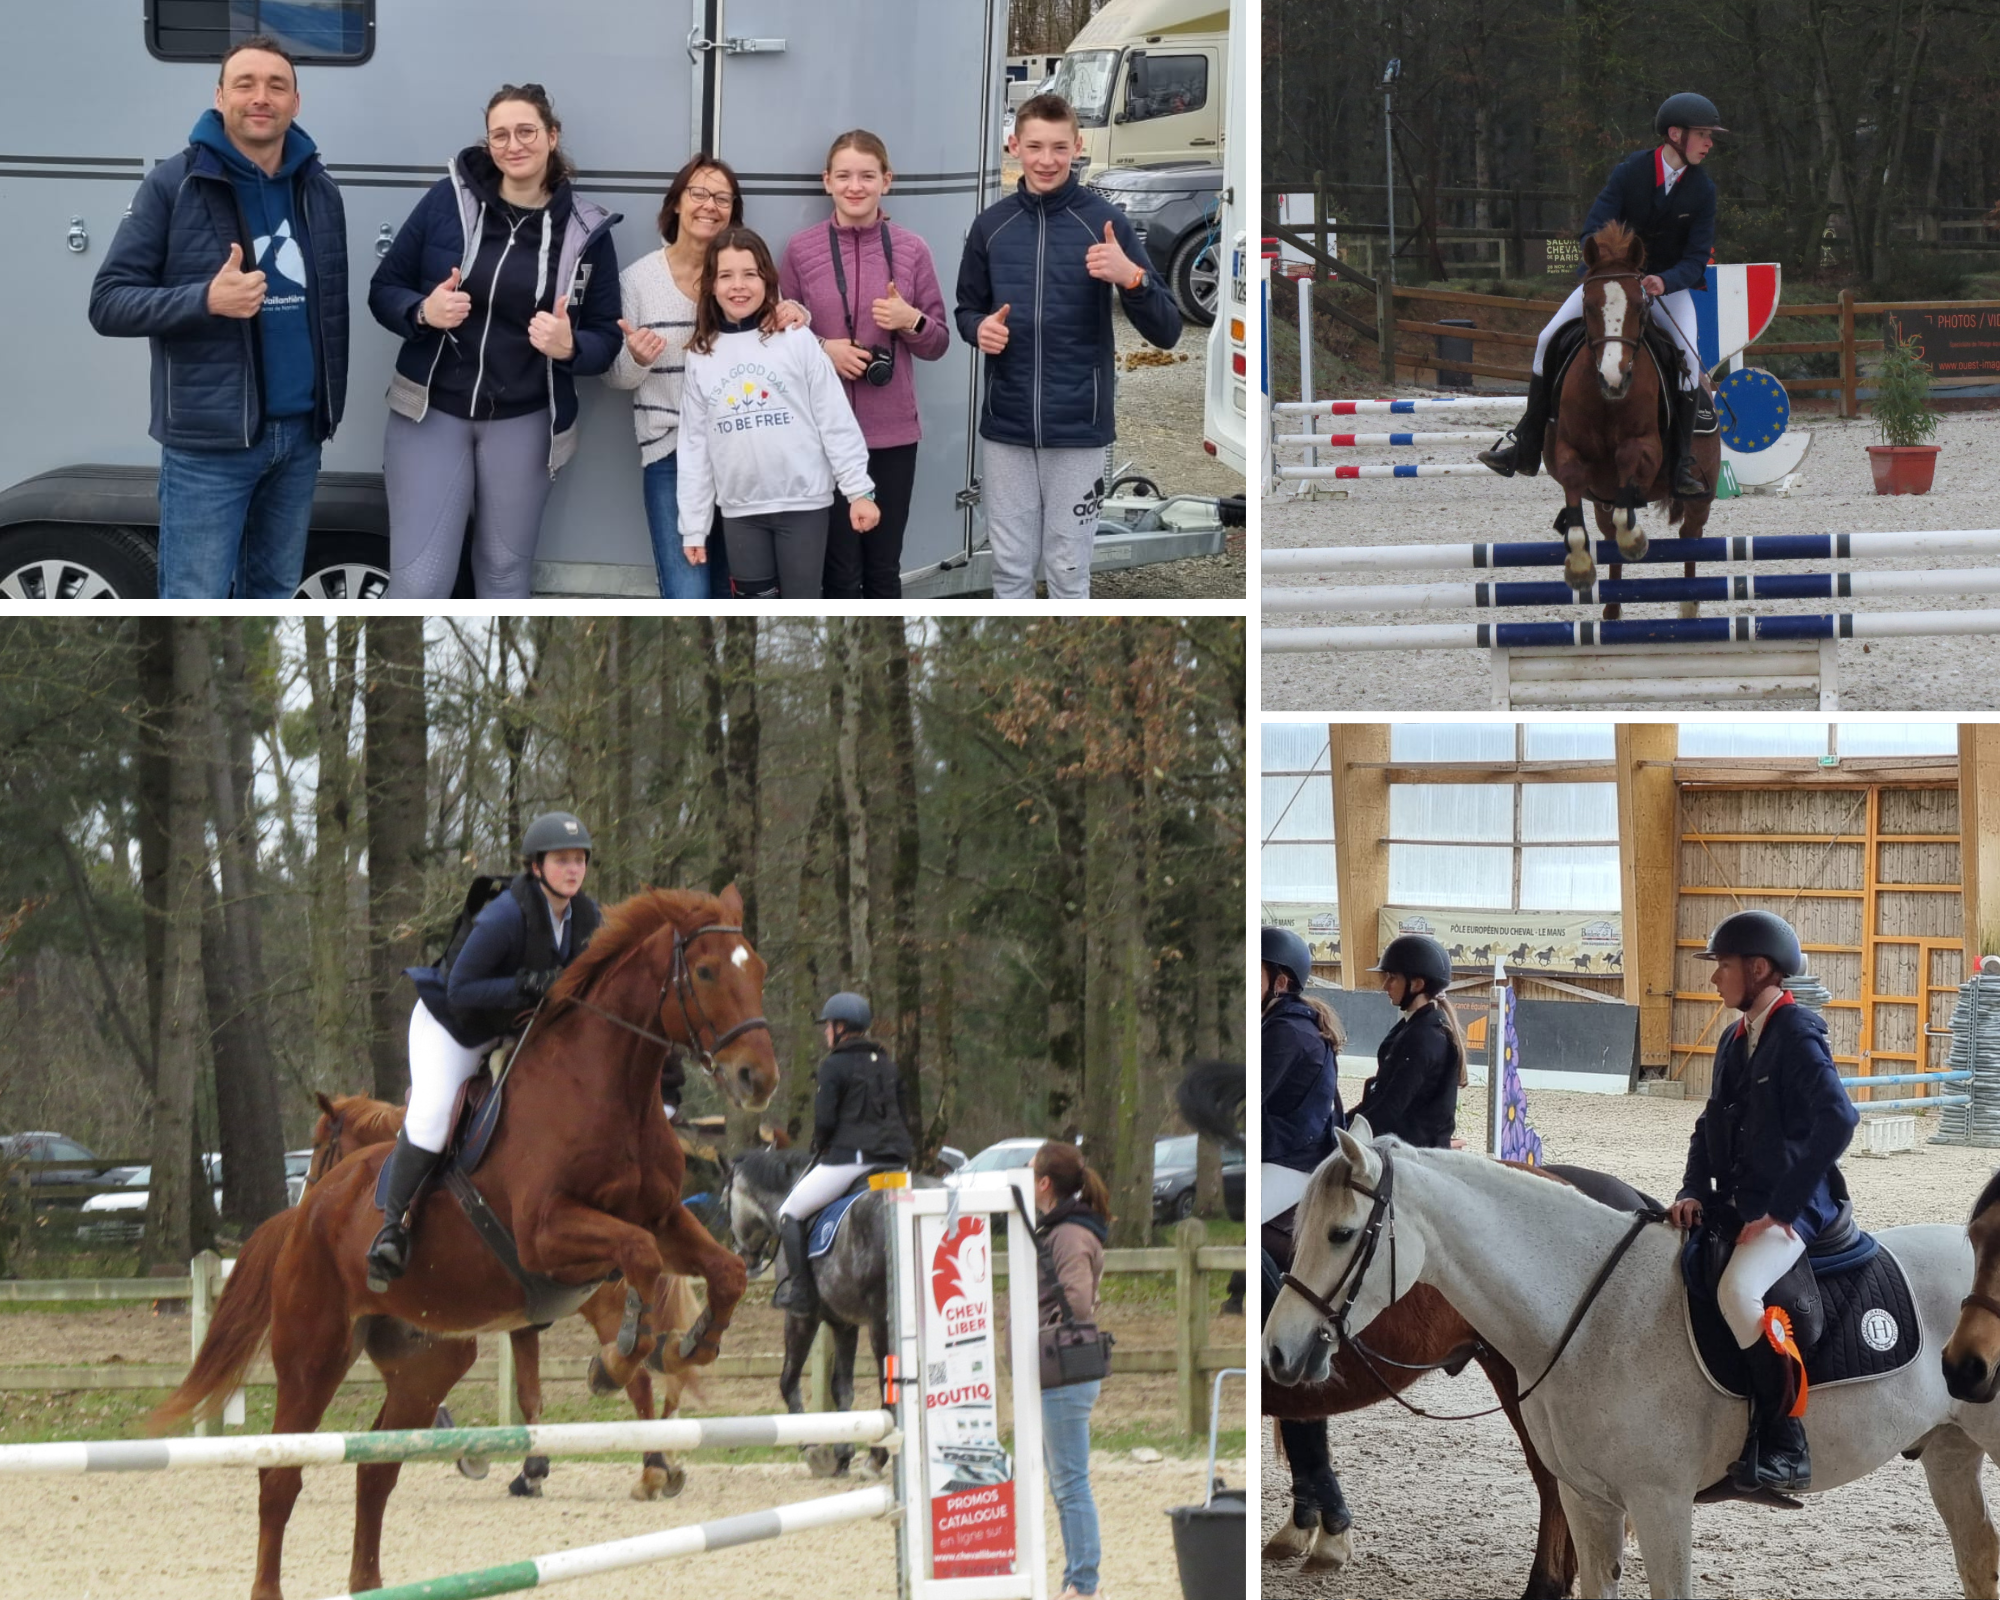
(1735, 309)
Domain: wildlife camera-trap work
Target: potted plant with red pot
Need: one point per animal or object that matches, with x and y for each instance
(1905, 459)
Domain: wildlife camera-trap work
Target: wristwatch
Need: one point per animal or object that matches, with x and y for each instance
(422, 320)
(923, 322)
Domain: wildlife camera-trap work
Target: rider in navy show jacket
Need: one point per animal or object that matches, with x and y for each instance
(1302, 1108)
(1677, 227)
(1775, 1124)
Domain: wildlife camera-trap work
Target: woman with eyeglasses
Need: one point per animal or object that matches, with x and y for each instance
(503, 284)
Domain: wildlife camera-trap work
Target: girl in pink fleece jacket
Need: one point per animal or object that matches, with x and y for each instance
(873, 292)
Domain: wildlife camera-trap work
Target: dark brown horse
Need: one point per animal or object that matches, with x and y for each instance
(584, 1170)
(1972, 1353)
(1607, 446)
(353, 1122)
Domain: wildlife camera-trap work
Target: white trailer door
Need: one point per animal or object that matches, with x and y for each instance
(783, 77)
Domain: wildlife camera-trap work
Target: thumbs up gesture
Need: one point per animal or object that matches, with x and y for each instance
(894, 314)
(993, 331)
(447, 305)
(1108, 262)
(232, 292)
(550, 333)
(644, 343)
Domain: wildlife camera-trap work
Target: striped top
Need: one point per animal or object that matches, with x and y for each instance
(652, 299)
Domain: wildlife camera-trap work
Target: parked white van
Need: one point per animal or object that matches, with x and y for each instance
(1149, 81)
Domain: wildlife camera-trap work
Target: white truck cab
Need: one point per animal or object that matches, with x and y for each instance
(1148, 79)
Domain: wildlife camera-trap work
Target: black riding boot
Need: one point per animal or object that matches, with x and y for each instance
(1316, 1496)
(1775, 1454)
(389, 1255)
(1688, 484)
(1522, 449)
(796, 1294)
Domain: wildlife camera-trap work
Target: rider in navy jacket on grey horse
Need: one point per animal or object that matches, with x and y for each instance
(858, 1123)
(1420, 1063)
(1759, 1168)
(516, 948)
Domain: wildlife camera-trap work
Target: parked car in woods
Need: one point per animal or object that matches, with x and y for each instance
(1173, 209)
(44, 1146)
(1174, 1178)
(120, 1216)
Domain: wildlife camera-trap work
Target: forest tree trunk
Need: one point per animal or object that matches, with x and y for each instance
(396, 761)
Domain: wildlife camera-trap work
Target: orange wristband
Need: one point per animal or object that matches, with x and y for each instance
(1138, 281)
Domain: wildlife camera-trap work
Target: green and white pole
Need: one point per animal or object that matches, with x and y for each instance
(448, 1444)
(646, 1548)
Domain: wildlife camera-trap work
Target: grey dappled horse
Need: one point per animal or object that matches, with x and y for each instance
(852, 1279)
(1629, 1424)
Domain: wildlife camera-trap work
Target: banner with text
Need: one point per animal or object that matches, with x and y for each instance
(1318, 925)
(969, 1477)
(1558, 943)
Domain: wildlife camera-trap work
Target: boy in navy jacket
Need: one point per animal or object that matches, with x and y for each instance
(1035, 289)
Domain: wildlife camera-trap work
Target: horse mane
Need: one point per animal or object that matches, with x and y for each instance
(1987, 1196)
(363, 1120)
(1619, 244)
(626, 926)
(773, 1170)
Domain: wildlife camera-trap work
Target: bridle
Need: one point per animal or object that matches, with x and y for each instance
(679, 984)
(1333, 1322)
(1597, 342)
(1984, 1302)
(326, 1154)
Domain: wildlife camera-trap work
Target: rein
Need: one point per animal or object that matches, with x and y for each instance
(1334, 1322)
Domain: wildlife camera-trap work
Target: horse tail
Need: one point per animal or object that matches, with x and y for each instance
(241, 1324)
(680, 1312)
(1211, 1099)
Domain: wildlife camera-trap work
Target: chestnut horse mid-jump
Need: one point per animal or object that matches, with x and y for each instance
(1606, 446)
(584, 1169)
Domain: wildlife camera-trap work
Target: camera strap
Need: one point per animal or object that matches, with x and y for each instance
(840, 273)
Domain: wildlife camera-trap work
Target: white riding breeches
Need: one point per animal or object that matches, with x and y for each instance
(438, 1065)
(1674, 312)
(818, 1187)
(1748, 1277)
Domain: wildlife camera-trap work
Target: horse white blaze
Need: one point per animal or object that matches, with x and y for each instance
(1614, 324)
(740, 956)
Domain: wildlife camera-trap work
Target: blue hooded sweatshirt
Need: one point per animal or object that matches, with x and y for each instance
(282, 252)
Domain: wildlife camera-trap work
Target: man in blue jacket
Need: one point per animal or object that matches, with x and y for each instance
(1758, 1169)
(1665, 197)
(233, 262)
(1035, 289)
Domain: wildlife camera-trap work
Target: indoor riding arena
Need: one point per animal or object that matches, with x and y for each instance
(1573, 872)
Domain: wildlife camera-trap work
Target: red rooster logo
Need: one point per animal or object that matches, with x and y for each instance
(961, 1259)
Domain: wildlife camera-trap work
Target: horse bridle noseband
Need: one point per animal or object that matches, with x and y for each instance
(1333, 1323)
(1596, 345)
(1985, 1302)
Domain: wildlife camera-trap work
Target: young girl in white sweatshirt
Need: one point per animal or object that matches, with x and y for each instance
(766, 431)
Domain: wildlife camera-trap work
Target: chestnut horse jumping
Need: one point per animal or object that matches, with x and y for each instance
(1606, 446)
(352, 1122)
(584, 1169)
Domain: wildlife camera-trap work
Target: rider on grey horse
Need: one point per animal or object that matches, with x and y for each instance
(1776, 1121)
(857, 1124)
(514, 950)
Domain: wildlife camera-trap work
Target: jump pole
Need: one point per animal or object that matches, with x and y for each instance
(1661, 552)
(1659, 630)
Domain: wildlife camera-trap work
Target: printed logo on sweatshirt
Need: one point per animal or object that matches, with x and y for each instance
(752, 397)
(283, 264)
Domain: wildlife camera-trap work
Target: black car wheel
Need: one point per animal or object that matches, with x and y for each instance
(1195, 277)
(1184, 1206)
(345, 566)
(75, 561)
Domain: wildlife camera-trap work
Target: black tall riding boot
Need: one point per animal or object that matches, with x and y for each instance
(1688, 484)
(1316, 1496)
(1521, 451)
(796, 1294)
(389, 1255)
(1775, 1454)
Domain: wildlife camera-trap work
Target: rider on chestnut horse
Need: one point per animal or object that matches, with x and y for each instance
(515, 949)
(858, 1123)
(1665, 197)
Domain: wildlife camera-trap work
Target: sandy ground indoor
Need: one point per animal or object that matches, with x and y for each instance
(1835, 496)
(1447, 1509)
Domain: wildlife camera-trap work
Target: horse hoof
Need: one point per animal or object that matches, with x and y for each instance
(598, 1376)
(656, 1358)
(1632, 543)
(474, 1467)
(1331, 1552)
(1289, 1542)
(1579, 570)
(695, 1339)
(525, 1488)
(824, 1461)
(676, 1479)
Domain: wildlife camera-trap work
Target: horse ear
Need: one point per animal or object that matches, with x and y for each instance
(1362, 1162)
(1591, 251)
(732, 903)
(325, 1104)
(1358, 1126)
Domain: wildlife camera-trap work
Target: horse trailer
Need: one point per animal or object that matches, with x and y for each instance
(390, 94)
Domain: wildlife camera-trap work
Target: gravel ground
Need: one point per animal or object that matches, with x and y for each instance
(1834, 496)
(1447, 1510)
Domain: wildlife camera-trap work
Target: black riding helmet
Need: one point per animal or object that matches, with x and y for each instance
(1758, 933)
(848, 1009)
(553, 830)
(1416, 955)
(1286, 951)
(1687, 111)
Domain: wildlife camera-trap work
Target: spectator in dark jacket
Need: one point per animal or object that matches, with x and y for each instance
(1420, 1063)
(858, 1124)
(233, 262)
(503, 285)
(1035, 292)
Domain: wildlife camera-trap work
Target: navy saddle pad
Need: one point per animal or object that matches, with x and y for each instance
(825, 1225)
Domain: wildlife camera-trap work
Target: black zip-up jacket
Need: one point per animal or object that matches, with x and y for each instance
(1301, 1087)
(1414, 1093)
(207, 384)
(858, 1107)
(1775, 1124)
(1051, 388)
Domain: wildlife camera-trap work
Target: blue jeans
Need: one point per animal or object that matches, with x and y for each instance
(680, 578)
(238, 518)
(1066, 1452)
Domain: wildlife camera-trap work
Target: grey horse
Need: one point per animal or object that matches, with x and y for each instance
(852, 1278)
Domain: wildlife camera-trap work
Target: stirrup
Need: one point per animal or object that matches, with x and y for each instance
(1503, 458)
(1687, 484)
(388, 1257)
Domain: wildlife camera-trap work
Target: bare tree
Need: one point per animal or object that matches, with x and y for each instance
(393, 710)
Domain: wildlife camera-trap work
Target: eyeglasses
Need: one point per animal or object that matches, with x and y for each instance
(528, 133)
(706, 197)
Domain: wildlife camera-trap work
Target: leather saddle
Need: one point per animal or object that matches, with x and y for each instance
(823, 1226)
(1840, 1249)
(1667, 357)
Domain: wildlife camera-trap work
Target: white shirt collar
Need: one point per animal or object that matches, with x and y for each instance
(1760, 1014)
